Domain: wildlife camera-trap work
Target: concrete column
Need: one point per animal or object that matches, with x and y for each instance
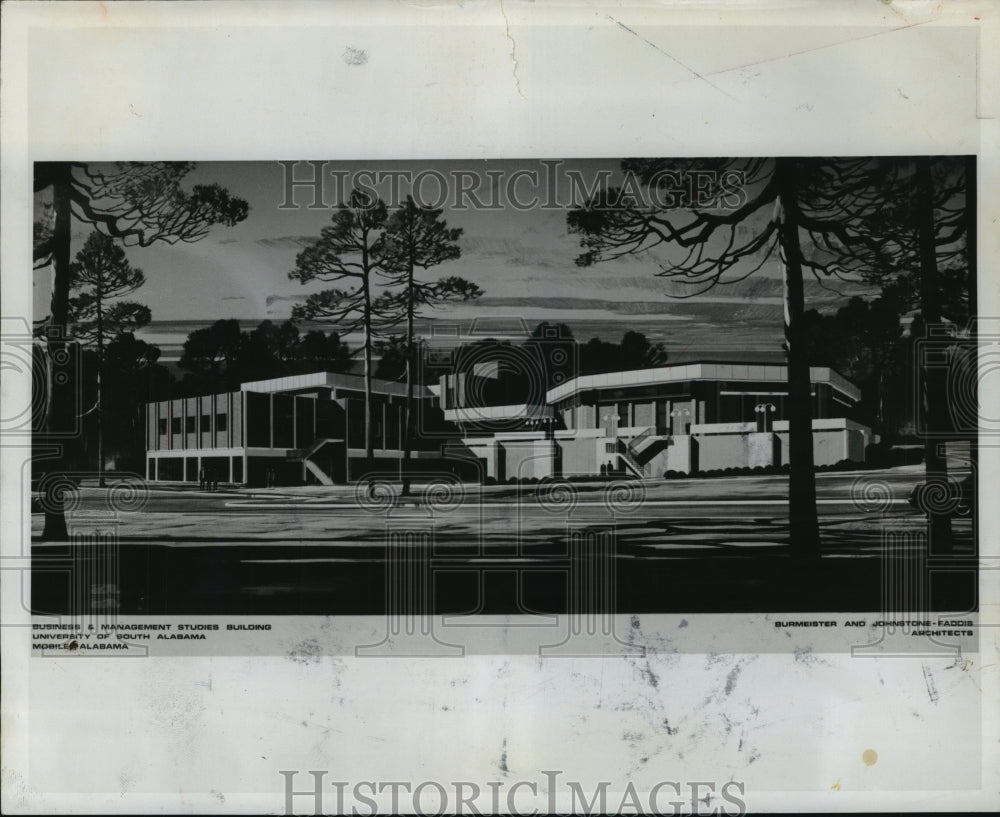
(543, 458)
(761, 447)
(679, 454)
(385, 418)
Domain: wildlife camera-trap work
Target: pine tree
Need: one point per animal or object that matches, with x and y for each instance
(417, 238)
(102, 274)
(141, 203)
(736, 216)
(351, 249)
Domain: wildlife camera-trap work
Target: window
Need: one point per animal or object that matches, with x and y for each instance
(284, 421)
(220, 422)
(189, 425)
(172, 469)
(175, 425)
(206, 422)
(258, 420)
(162, 426)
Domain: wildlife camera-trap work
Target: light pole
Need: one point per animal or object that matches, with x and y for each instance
(764, 412)
(682, 413)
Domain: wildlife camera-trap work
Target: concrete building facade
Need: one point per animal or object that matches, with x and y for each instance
(687, 418)
(286, 430)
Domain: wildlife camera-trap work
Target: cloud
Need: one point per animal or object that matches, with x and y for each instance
(663, 310)
(283, 241)
(273, 299)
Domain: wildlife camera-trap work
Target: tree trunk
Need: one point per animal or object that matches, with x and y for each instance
(100, 396)
(60, 415)
(933, 383)
(408, 420)
(972, 257)
(369, 442)
(802, 516)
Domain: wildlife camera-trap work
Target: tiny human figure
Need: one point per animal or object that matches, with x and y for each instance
(201, 479)
(215, 480)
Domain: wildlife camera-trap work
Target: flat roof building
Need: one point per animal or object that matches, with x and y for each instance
(283, 430)
(685, 418)
(688, 418)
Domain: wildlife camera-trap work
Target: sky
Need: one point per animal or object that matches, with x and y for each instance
(521, 256)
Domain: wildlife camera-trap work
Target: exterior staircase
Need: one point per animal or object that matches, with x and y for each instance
(305, 457)
(321, 476)
(628, 459)
(636, 453)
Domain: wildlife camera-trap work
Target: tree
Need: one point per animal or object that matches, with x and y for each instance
(864, 341)
(211, 355)
(640, 353)
(132, 378)
(552, 352)
(322, 351)
(140, 203)
(418, 238)
(351, 249)
(220, 357)
(934, 390)
(393, 357)
(919, 246)
(268, 350)
(739, 213)
(635, 351)
(102, 273)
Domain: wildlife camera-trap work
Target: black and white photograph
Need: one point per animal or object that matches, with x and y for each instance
(502, 407)
(622, 386)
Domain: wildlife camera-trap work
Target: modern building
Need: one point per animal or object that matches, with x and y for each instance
(286, 430)
(687, 418)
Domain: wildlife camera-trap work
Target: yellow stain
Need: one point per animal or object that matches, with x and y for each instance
(870, 757)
